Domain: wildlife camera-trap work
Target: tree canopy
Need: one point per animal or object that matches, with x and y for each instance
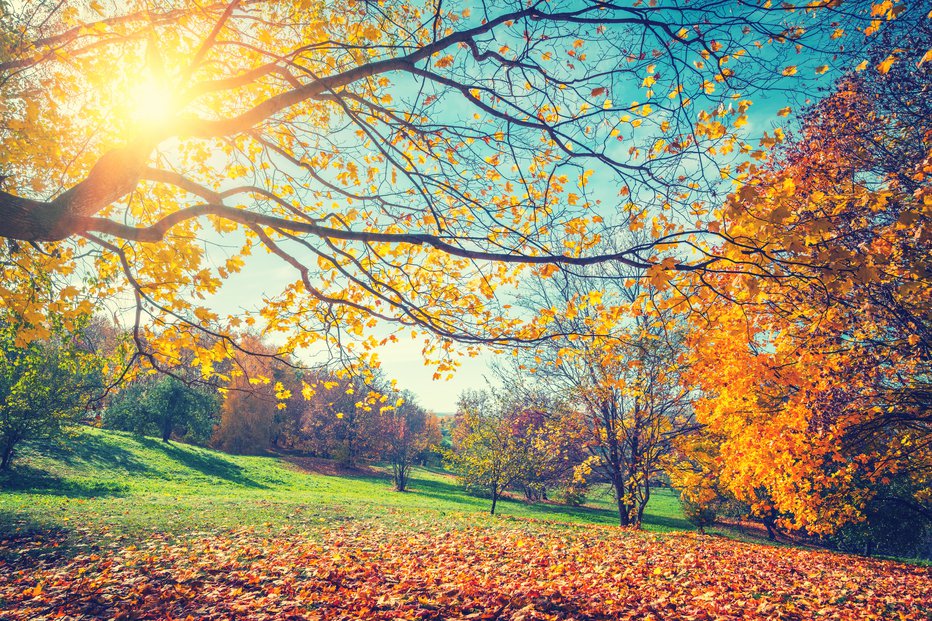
(404, 160)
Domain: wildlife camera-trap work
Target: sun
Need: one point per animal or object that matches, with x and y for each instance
(153, 103)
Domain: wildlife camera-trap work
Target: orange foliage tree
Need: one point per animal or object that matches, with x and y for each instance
(816, 378)
(260, 388)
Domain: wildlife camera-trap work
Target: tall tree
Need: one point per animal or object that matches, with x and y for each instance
(831, 362)
(260, 386)
(621, 363)
(487, 454)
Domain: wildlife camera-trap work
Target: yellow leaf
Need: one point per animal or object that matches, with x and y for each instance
(784, 111)
(791, 70)
(548, 270)
(884, 66)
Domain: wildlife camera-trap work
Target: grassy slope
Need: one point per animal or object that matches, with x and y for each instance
(108, 481)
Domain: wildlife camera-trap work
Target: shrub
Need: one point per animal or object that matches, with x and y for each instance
(573, 494)
(700, 513)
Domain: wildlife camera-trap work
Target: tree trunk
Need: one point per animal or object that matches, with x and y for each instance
(115, 175)
(166, 429)
(7, 458)
(624, 517)
(494, 499)
(623, 514)
(401, 477)
(639, 514)
(770, 525)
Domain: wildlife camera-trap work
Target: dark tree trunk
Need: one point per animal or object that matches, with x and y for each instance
(7, 458)
(166, 429)
(639, 514)
(624, 517)
(10, 441)
(494, 499)
(624, 513)
(401, 477)
(771, 526)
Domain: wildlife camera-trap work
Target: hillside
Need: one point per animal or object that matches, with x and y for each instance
(128, 483)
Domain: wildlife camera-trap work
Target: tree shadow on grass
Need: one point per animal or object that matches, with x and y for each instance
(447, 492)
(28, 479)
(87, 453)
(331, 467)
(203, 462)
(93, 451)
(670, 523)
(24, 542)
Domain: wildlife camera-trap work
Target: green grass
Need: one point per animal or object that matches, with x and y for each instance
(117, 484)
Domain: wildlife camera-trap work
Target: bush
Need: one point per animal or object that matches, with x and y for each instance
(700, 514)
(43, 386)
(891, 527)
(573, 494)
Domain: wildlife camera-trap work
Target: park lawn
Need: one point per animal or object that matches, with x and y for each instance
(124, 484)
(119, 526)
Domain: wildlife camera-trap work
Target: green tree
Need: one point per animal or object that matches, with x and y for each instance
(165, 407)
(44, 385)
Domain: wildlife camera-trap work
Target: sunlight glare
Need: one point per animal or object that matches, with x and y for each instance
(153, 103)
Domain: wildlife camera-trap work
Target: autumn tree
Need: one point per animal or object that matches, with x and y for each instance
(830, 362)
(404, 160)
(486, 455)
(620, 362)
(260, 387)
(408, 430)
(549, 431)
(342, 417)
